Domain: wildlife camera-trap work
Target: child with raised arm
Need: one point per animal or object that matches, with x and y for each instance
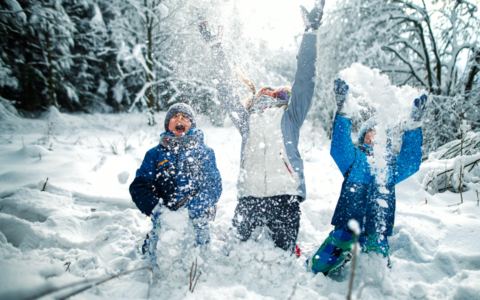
(363, 198)
(271, 182)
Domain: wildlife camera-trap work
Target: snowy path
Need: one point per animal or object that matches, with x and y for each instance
(85, 217)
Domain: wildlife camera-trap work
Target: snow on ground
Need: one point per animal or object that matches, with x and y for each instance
(86, 219)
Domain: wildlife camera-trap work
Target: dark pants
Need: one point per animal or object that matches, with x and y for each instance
(281, 214)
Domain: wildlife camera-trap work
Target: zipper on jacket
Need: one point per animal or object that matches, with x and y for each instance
(265, 162)
(176, 174)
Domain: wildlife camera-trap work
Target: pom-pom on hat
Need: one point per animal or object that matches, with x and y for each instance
(180, 108)
(284, 93)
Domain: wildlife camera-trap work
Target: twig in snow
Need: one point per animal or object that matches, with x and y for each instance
(350, 286)
(425, 200)
(68, 266)
(45, 185)
(293, 292)
(196, 281)
(99, 282)
(96, 282)
(191, 270)
(454, 204)
(431, 181)
(114, 146)
(192, 278)
(1, 208)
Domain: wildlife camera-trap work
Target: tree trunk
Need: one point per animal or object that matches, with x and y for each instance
(51, 85)
(149, 91)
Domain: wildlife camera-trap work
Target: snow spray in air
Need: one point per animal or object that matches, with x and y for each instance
(392, 105)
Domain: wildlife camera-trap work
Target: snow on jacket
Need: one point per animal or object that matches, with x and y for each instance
(270, 160)
(178, 177)
(361, 197)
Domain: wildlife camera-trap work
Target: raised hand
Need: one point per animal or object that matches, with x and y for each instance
(208, 35)
(340, 88)
(419, 106)
(313, 18)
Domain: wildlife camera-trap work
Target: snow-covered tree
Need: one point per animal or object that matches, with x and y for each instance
(89, 75)
(36, 51)
(352, 31)
(429, 41)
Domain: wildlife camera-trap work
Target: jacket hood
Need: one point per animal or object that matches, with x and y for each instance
(366, 127)
(369, 125)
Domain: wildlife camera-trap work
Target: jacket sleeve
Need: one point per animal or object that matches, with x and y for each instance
(304, 85)
(410, 157)
(142, 188)
(342, 149)
(211, 188)
(227, 92)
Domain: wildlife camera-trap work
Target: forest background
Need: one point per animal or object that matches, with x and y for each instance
(115, 56)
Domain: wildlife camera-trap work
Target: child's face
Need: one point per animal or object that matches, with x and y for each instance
(179, 124)
(369, 137)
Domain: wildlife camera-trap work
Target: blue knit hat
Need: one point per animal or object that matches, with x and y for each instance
(180, 108)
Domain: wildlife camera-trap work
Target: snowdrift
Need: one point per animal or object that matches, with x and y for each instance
(82, 223)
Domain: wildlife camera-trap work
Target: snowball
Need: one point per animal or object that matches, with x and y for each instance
(387, 286)
(239, 292)
(123, 177)
(419, 290)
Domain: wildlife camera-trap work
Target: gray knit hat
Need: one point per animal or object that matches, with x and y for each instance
(180, 108)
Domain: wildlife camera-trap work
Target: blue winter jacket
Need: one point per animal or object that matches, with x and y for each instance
(361, 197)
(187, 177)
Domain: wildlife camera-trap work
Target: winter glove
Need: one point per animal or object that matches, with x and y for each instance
(340, 88)
(211, 38)
(415, 120)
(313, 18)
(418, 108)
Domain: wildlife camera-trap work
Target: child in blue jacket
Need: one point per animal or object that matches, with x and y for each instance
(363, 198)
(179, 172)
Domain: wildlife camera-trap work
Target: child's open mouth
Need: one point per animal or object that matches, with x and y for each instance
(180, 128)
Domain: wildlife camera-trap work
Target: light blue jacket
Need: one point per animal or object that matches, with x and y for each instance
(294, 116)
